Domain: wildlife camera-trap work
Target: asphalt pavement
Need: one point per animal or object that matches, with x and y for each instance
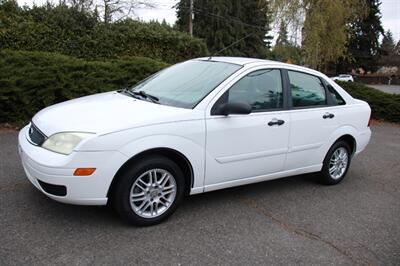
(395, 89)
(290, 221)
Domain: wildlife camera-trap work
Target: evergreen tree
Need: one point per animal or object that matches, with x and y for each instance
(284, 50)
(220, 23)
(164, 23)
(363, 44)
(388, 47)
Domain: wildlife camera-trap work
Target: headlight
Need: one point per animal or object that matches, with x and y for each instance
(64, 142)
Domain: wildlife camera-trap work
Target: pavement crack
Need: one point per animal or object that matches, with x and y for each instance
(303, 233)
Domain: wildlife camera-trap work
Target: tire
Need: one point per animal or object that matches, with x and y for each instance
(136, 196)
(333, 177)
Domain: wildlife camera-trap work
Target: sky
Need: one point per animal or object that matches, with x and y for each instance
(390, 11)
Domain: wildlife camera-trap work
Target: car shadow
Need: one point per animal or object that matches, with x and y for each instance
(106, 216)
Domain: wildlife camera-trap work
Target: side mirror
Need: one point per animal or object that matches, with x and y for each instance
(234, 108)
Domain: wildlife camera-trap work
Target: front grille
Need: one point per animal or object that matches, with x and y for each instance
(52, 189)
(35, 135)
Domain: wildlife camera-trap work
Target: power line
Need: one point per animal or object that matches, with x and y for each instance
(231, 19)
(229, 46)
(237, 20)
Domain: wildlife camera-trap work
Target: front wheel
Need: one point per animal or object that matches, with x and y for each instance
(336, 163)
(149, 191)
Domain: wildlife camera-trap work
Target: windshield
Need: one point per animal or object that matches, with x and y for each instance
(186, 84)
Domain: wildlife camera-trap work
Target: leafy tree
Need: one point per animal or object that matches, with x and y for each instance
(221, 23)
(122, 7)
(388, 46)
(323, 24)
(81, 5)
(282, 35)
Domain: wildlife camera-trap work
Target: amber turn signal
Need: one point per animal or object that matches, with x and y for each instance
(84, 171)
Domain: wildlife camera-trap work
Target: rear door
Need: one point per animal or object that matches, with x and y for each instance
(312, 119)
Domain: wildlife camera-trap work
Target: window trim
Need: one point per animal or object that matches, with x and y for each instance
(333, 102)
(283, 85)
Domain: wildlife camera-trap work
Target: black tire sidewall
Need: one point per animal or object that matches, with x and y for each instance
(121, 195)
(326, 177)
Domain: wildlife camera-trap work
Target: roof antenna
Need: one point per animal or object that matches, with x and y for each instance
(229, 46)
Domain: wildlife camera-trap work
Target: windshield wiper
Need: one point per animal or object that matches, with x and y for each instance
(142, 94)
(145, 95)
(129, 92)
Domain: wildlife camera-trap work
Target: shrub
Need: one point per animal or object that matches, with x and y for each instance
(384, 106)
(68, 31)
(30, 81)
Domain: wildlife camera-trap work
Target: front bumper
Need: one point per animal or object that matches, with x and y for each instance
(44, 167)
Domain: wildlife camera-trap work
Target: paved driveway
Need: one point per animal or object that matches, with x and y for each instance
(292, 221)
(386, 88)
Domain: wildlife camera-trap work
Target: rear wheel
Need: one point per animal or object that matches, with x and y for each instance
(149, 191)
(336, 163)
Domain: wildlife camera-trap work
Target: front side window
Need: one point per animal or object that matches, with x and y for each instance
(186, 84)
(261, 89)
(307, 90)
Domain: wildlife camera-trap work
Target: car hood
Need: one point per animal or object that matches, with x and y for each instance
(104, 113)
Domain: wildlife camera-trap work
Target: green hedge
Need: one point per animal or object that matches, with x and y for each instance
(384, 106)
(81, 34)
(30, 81)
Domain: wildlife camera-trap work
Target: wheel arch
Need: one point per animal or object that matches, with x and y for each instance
(350, 140)
(181, 160)
(346, 133)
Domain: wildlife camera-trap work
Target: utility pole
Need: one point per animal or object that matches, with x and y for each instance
(191, 18)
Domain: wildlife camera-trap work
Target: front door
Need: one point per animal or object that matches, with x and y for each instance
(248, 146)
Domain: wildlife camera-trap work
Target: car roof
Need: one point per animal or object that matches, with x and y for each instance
(247, 61)
(234, 60)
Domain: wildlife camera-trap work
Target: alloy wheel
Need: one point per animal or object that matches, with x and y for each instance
(153, 193)
(338, 163)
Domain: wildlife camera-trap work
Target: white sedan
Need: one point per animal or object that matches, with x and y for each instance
(197, 126)
(343, 77)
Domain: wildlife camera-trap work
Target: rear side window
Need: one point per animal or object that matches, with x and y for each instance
(307, 90)
(337, 99)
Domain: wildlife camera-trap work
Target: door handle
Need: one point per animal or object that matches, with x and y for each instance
(328, 115)
(275, 121)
